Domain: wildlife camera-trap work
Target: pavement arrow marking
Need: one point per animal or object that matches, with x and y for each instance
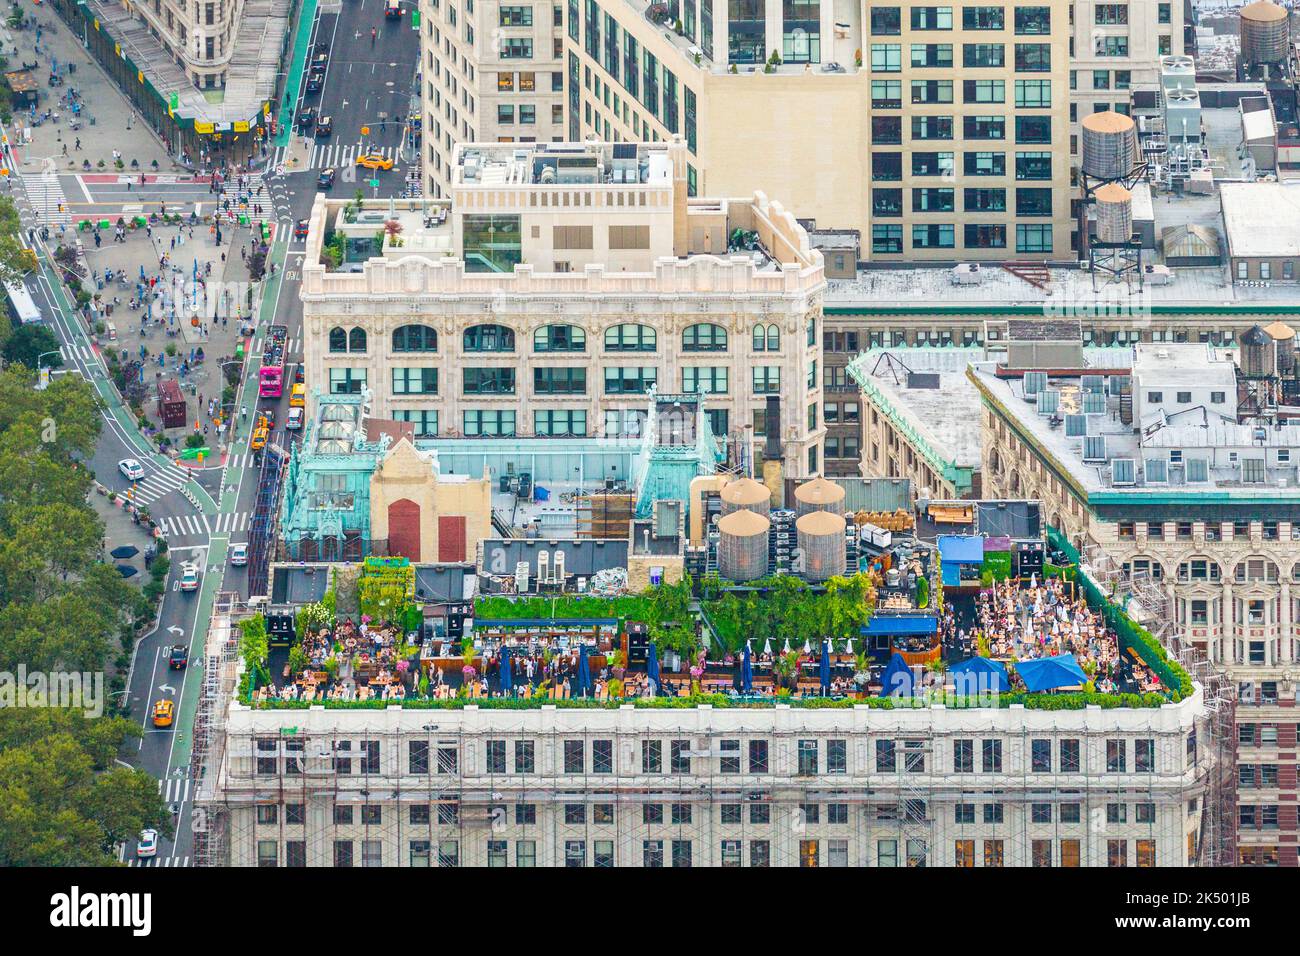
(167, 688)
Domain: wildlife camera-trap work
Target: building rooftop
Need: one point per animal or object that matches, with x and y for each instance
(561, 164)
(1192, 452)
(1261, 219)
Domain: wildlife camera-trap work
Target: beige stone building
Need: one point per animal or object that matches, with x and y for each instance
(1193, 513)
(199, 35)
(493, 72)
(1115, 47)
(423, 514)
(938, 132)
(556, 288)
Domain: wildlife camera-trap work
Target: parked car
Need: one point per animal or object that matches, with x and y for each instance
(189, 577)
(294, 422)
(326, 179)
(131, 469)
(238, 555)
(315, 82)
(163, 713)
(307, 118)
(178, 657)
(147, 845)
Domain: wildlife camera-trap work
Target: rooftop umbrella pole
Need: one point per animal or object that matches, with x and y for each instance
(652, 668)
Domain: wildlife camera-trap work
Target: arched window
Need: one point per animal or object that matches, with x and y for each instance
(760, 338)
(415, 338)
(704, 337)
(489, 338)
(1251, 570)
(338, 340)
(560, 338)
(631, 338)
(773, 339)
(1199, 569)
(357, 340)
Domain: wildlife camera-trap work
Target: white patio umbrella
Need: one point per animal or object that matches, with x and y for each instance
(806, 648)
(786, 649)
(848, 646)
(767, 647)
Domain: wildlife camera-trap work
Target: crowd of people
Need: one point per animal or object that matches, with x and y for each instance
(1047, 617)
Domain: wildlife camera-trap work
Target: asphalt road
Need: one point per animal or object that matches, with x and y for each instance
(366, 84)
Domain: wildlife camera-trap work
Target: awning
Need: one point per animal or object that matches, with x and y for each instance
(961, 548)
(890, 625)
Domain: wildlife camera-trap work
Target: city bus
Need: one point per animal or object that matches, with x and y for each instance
(270, 381)
(22, 310)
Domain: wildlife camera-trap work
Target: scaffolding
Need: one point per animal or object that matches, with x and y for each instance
(220, 662)
(264, 524)
(1217, 845)
(378, 793)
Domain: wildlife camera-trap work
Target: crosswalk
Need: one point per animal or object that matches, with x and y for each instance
(240, 460)
(174, 789)
(339, 155)
(156, 861)
(179, 526)
(232, 523)
(71, 353)
(159, 483)
(45, 193)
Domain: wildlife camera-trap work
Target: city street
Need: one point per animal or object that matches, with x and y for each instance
(201, 511)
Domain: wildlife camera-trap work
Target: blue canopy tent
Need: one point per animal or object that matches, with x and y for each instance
(903, 625)
(956, 551)
(825, 667)
(1050, 673)
(980, 675)
(746, 671)
(652, 665)
(507, 681)
(584, 671)
(897, 679)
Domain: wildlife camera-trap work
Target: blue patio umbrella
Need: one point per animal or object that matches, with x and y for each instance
(507, 679)
(897, 679)
(980, 675)
(825, 667)
(746, 671)
(584, 671)
(1049, 673)
(652, 665)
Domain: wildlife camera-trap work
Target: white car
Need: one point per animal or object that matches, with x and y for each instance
(147, 846)
(294, 421)
(131, 469)
(238, 555)
(189, 578)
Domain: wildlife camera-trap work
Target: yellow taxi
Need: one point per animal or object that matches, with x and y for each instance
(163, 711)
(298, 397)
(260, 434)
(374, 161)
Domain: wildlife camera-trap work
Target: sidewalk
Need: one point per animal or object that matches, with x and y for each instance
(108, 121)
(185, 316)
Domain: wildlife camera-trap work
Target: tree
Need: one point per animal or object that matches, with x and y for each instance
(254, 645)
(16, 260)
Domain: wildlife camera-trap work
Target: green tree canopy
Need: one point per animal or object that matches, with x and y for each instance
(28, 346)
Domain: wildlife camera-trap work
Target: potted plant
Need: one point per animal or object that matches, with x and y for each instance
(618, 664)
(786, 668)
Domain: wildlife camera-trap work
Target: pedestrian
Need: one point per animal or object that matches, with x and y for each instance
(78, 146)
(173, 246)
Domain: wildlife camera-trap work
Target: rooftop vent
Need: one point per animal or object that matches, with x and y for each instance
(1122, 471)
(1076, 426)
(1094, 448)
(1034, 382)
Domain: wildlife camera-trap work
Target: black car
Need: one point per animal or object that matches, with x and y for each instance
(307, 118)
(326, 179)
(320, 62)
(324, 127)
(321, 48)
(178, 657)
(315, 82)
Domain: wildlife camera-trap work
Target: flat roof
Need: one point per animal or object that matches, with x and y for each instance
(1183, 363)
(1262, 219)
